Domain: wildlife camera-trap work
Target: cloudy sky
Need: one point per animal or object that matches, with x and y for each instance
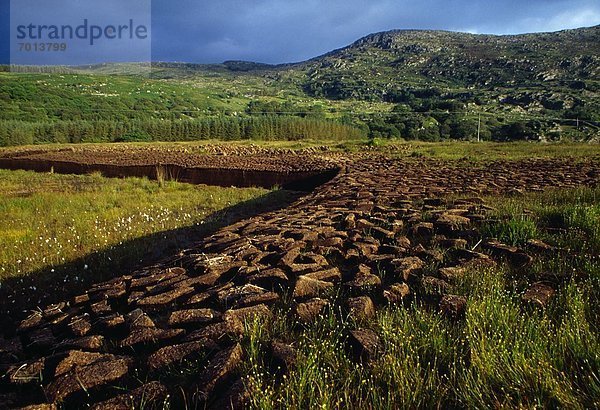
(277, 31)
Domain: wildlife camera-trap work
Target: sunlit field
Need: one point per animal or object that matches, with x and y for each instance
(47, 220)
(59, 234)
(503, 354)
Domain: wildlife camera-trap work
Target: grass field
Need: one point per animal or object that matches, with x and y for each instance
(502, 355)
(486, 151)
(48, 220)
(60, 232)
(451, 150)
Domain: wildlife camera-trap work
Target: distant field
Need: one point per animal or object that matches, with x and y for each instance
(350, 94)
(444, 150)
(514, 150)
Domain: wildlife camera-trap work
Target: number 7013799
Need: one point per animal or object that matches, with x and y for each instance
(36, 47)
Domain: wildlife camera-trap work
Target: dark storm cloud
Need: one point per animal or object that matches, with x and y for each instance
(283, 31)
(277, 31)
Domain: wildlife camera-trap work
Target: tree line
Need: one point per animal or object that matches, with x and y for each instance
(267, 127)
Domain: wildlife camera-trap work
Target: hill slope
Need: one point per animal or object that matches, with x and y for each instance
(389, 59)
(408, 83)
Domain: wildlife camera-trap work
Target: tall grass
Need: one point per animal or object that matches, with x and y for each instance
(503, 354)
(486, 151)
(48, 219)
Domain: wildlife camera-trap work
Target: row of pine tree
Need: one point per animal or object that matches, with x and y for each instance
(223, 128)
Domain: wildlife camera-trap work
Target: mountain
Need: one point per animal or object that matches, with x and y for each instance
(415, 84)
(527, 73)
(382, 64)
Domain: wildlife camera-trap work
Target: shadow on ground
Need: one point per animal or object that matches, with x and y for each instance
(20, 295)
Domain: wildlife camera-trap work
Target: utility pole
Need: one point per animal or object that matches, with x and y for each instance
(479, 129)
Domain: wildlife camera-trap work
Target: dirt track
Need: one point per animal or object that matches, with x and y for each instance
(377, 215)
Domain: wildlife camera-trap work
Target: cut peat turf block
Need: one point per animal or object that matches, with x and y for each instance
(364, 345)
(539, 294)
(453, 306)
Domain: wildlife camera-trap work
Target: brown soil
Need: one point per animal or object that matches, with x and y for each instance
(377, 214)
(232, 167)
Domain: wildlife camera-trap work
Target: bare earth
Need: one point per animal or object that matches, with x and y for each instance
(372, 213)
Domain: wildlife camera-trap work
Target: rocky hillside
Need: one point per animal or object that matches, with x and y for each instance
(380, 65)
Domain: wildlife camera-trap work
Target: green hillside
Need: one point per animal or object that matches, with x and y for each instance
(427, 85)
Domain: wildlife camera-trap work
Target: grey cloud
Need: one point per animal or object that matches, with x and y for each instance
(276, 31)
